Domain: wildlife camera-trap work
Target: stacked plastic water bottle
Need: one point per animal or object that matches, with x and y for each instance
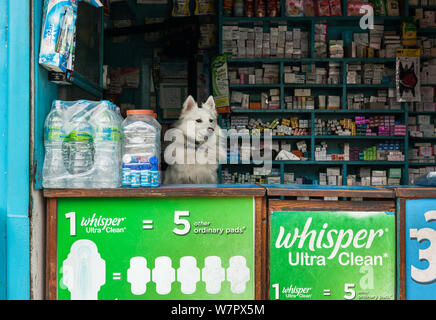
(82, 145)
(141, 150)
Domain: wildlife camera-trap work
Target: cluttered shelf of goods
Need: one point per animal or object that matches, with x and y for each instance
(345, 104)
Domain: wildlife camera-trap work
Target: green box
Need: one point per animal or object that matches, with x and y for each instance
(117, 242)
(394, 173)
(332, 255)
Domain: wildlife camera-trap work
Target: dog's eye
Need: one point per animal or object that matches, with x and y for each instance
(211, 120)
(199, 120)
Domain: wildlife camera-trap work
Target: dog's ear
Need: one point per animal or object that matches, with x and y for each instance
(210, 105)
(189, 104)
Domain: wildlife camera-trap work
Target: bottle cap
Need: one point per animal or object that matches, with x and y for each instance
(154, 161)
(140, 111)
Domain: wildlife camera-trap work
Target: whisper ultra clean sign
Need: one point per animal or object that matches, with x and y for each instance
(332, 255)
(155, 248)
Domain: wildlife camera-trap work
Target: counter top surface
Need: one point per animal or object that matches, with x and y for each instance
(240, 190)
(185, 190)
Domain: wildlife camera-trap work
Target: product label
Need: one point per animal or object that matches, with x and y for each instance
(155, 248)
(332, 255)
(79, 136)
(54, 134)
(107, 134)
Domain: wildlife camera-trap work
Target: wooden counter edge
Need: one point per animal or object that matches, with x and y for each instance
(384, 193)
(415, 192)
(155, 192)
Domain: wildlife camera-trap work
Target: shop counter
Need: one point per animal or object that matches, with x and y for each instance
(417, 242)
(173, 242)
(322, 249)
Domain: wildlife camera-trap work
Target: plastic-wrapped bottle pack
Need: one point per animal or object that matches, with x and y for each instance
(82, 143)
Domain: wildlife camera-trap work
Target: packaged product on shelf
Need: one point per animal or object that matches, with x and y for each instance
(227, 8)
(249, 8)
(335, 8)
(379, 7)
(309, 8)
(354, 8)
(322, 8)
(57, 36)
(273, 8)
(141, 150)
(392, 8)
(408, 33)
(294, 8)
(408, 75)
(238, 8)
(204, 7)
(220, 83)
(260, 8)
(82, 143)
(181, 8)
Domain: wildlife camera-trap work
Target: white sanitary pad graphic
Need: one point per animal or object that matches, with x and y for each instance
(213, 274)
(84, 271)
(138, 275)
(188, 274)
(163, 275)
(238, 274)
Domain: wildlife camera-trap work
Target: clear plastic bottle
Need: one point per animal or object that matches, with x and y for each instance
(107, 146)
(54, 171)
(78, 147)
(141, 137)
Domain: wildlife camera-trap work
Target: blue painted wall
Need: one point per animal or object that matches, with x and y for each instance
(3, 149)
(45, 93)
(14, 146)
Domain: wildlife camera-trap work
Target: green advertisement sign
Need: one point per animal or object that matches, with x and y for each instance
(329, 255)
(155, 248)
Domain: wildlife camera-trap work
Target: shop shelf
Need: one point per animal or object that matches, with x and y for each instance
(415, 164)
(307, 23)
(313, 85)
(277, 137)
(357, 111)
(87, 85)
(423, 138)
(304, 19)
(375, 86)
(270, 111)
(248, 86)
(336, 137)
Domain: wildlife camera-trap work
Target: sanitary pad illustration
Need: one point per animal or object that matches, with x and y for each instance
(163, 275)
(188, 274)
(213, 274)
(238, 274)
(138, 275)
(84, 271)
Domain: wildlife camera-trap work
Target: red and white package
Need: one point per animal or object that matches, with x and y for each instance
(335, 8)
(323, 8)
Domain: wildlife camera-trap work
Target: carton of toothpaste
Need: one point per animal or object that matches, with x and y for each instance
(57, 34)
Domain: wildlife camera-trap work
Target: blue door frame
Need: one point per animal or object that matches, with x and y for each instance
(14, 149)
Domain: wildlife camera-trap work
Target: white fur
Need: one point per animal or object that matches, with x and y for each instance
(196, 173)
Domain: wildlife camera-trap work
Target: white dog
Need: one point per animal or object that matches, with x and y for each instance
(201, 136)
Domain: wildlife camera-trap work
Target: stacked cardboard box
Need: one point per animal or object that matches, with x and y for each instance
(415, 173)
(422, 152)
(254, 42)
(332, 177)
(385, 100)
(422, 126)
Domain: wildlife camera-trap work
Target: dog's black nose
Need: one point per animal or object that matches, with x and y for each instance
(211, 129)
